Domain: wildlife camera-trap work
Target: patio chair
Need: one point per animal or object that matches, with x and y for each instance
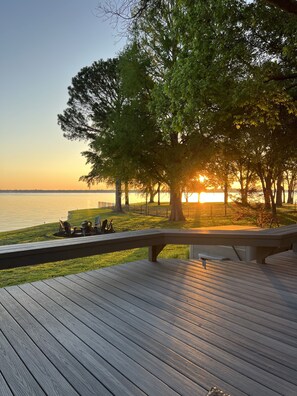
(65, 229)
(87, 228)
(97, 225)
(107, 228)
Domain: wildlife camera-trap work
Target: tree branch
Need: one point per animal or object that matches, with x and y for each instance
(285, 5)
(282, 77)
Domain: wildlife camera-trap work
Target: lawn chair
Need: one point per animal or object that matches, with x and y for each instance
(97, 225)
(65, 229)
(107, 228)
(87, 228)
(110, 228)
(103, 226)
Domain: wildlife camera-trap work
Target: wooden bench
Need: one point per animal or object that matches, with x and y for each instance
(262, 244)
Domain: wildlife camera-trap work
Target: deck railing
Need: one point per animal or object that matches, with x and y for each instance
(262, 244)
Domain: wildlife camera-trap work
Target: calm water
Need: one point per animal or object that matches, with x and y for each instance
(20, 210)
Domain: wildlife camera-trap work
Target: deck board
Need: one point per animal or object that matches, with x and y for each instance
(204, 339)
(166, 328)
(4, 389)
(174, 303)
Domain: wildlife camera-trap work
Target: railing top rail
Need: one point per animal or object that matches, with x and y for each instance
(55, 250)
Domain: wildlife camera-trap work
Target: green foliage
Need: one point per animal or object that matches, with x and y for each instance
(92, 96)
(200, 85)
(134, 134)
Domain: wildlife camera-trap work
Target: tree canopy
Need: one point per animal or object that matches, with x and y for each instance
(201, 86)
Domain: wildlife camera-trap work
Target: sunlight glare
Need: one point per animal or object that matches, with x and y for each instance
(206, 197)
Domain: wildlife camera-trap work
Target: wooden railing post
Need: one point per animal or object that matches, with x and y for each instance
(153, 252)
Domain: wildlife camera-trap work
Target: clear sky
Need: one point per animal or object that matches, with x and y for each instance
(43, 44)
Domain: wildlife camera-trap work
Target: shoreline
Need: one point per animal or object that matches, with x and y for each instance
(56, 191)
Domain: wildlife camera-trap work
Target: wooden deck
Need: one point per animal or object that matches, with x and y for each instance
(164, 328)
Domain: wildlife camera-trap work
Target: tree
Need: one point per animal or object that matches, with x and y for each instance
(195, 185)
(230, 84)
(212, 66)
(177, 152)
(270, 152)
(291, 179)
(130, 10)
(135, 137)
(93, 97)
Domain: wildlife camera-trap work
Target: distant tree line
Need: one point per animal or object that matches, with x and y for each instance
(202, 88)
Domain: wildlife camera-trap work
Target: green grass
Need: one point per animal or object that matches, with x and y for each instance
(122, 222)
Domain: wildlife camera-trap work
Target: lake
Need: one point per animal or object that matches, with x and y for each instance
(26, 209)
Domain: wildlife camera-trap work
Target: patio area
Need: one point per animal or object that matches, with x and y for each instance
(167, 328)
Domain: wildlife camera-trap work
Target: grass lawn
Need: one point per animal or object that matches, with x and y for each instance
(122, 222)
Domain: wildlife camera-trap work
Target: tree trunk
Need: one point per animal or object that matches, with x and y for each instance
(267, 204)
(279, 191)
(243, 191)
(226, 192)
(273, 204)
(152, 194)
(290, 199)
(159, 194)
(266, 193)
(266, 184)
(291, 184)
(244, 197)
(126, 194)
(176, 205)
(118, 196)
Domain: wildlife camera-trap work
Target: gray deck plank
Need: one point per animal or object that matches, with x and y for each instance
(217, 271)
(255, 273)
(253, 270)
(168, 338)
(4, 389)
(81, 379)
(16, 373)
(212, 359)
(248, 292)
(100, 368)
(49, 378)
(159, 329)
(166, 348)
(92, 339)
(214, 323)
(157, 282)
(90, 357)
(230, 304)
(148, 302)
(218, 308)
(203, 340)
(158, 369)
(288, 312)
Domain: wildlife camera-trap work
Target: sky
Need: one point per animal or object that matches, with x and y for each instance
(43, 44)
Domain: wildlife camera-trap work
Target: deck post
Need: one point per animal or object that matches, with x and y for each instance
(153, 252)
(259, 253)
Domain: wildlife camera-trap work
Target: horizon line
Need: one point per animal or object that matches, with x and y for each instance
(52, 190)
